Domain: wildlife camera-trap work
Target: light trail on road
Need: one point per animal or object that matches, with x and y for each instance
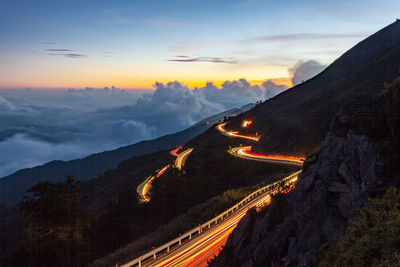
(245, 152)
(143, 188)
(220, 127)
(174, 152)
(199, 249)
(181, 159)
(246, 123)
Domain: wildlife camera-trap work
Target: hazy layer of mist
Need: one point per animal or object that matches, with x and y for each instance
(37, 126)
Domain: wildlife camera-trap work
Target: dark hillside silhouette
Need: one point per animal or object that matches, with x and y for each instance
(297, 120)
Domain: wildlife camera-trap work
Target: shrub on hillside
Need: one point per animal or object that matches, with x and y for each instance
(372, 238)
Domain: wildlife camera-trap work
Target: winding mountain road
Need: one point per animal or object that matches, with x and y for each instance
(199, 245)
(220, 127)
(245, 153)
(181, 159)
(198, 250)
(144, 188)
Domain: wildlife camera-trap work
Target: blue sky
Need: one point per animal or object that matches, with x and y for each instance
(132, 44)
(236, 45)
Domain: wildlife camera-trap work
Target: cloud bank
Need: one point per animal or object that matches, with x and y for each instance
(40, 126)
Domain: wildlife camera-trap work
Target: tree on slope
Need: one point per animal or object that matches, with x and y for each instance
(57, 226)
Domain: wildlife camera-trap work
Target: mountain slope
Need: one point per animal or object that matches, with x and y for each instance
(14, 186)
(297, 120)
(293, 230)
(358, 160)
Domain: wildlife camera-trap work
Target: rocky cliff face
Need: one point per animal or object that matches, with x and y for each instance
(359, 160)
(347, 171)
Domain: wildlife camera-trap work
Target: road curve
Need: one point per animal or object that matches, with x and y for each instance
(245, 153)
(181, 159)
(220, 128)
(197, 250)
(174, 152)
(144, 187)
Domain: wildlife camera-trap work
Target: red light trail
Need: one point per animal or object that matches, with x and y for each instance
(200, 249)
(245, 151)
(144, 188)
(220, 127)
(174, 152)
(247, 123)
(180, 160)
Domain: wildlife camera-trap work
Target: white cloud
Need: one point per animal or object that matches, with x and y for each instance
(25, 151)
(101, 98)
(271, 89)
(304, 70)
(233, 93)
(39, 126)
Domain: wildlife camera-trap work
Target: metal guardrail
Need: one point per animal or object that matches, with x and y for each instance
(207, 225)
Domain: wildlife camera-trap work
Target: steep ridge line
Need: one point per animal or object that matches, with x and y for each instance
(187, 250)
(371, 62)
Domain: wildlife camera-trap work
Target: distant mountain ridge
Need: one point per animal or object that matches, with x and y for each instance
(302, 114)
(14, 186)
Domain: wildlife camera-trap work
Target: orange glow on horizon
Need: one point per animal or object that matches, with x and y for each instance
(64, 83)
(278, 81)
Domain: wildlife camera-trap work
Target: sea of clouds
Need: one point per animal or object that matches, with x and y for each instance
(37, 126)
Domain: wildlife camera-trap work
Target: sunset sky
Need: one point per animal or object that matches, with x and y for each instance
(133, 44)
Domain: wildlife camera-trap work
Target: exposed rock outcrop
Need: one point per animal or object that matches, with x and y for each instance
(330, 191)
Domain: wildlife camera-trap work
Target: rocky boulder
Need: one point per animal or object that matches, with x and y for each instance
(331, 190)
